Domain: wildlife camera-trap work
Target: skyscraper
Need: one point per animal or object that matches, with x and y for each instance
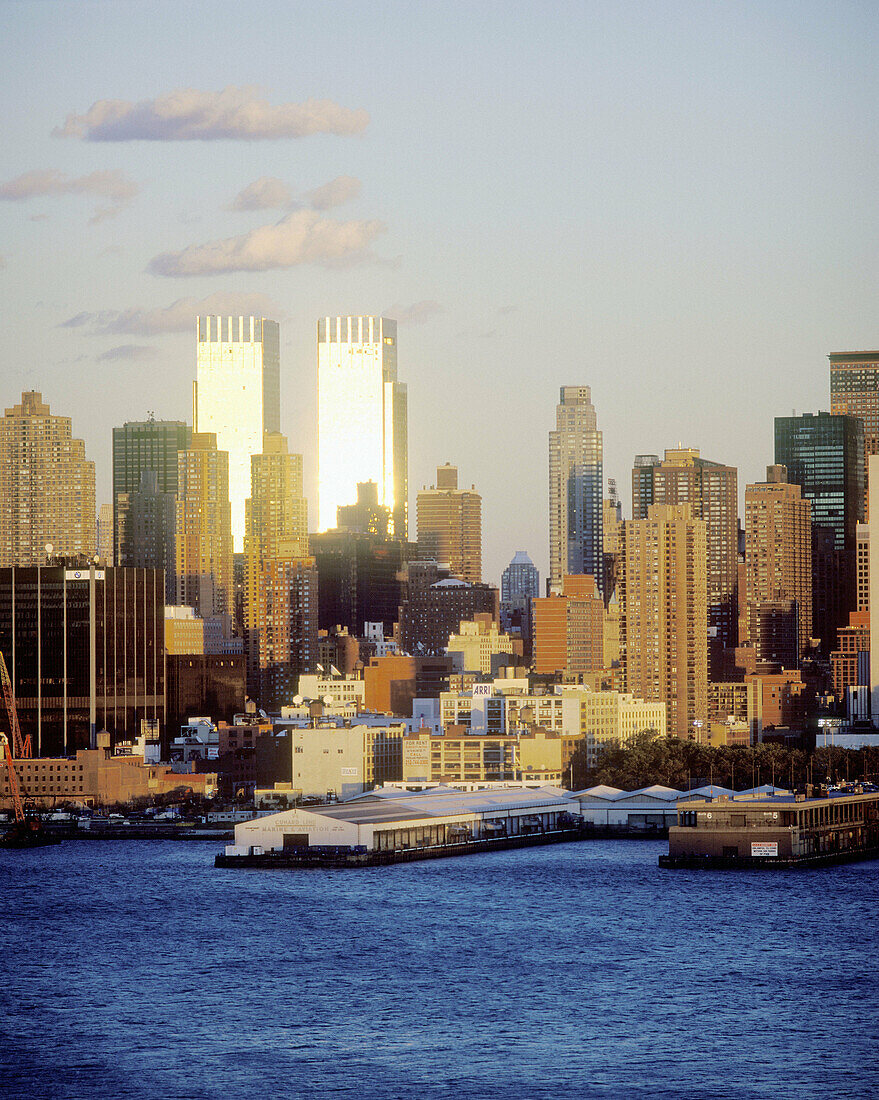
(450, 525)
(569, 628)
(146, 528)
(362, 418)
(204, 530)
(140, 445)
(237, 396)
(683, 477)
(824, 455)
(854, 389)
(276, 510)
(47, 486)
(778, 553)
(664, 614)
(520, 578)
(575, 489)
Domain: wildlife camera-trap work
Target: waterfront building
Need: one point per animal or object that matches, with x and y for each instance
(710, 488)
(450, 525)
(461, 756)
(823, 454)
(778, 565)
(575, 488)
(47, 486)
(140, 446)
(84, 646)
(237, 396)
(664, 614)
(362, 418)
(203, 536)
(99, 777)
(146, 529)
(569, 628)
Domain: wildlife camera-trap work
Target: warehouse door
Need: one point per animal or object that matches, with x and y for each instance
(295, 840)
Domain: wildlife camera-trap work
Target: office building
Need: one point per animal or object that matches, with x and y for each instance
(569, 629)
(146, 529)
(431, 613)
(139, 446)
(778, 559)
(203, 684)
(104, 534)
(520, 578)
(367, 516)
(47, 486)
(204, 530)
(575, 489)
(67, 688)
(664, 614)
(237, 396)
(710, 488)
(362, 418)
(450, 525)
(854, 391)
(823, 454)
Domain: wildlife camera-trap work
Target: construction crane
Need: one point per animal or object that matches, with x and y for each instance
(14, 790)
(21, 749)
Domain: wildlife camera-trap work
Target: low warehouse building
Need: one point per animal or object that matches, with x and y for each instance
(392, 820)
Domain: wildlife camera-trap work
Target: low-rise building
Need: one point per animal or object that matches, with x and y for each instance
(460, 756)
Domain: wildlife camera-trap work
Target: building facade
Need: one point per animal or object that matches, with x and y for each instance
(450, 525)
(664, 614)
(363, 427)
(569, 628)
(203, 541)
(85, 649)
(575, 488)
(237, 396)
(854, 391)
(47, 486)
(146, 529)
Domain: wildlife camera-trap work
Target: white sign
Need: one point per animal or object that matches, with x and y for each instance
(482, 690)
(764, 848)
(350, 771)
(82, 574)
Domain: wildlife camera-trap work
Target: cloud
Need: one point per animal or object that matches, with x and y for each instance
(416, 314)
(178, 317)
(334, 193)
(136, 353)
(236, 113)
(112, 185)
(302, 237)
(266, 193)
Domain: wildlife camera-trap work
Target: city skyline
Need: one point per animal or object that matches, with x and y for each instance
(677, 225)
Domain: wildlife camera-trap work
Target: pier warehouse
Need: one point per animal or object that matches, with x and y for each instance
(788, 828)
(392, 820)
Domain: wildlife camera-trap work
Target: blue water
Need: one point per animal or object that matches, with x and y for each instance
(136, 970)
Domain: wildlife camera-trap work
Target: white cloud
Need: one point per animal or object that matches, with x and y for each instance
(178, 317)
(112, 185)
(416, 314)
(302, 237)
(136, 353)
(236, 113)
(266, 193)
(334, 193)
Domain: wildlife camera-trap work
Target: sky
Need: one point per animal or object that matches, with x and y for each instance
(673, 203)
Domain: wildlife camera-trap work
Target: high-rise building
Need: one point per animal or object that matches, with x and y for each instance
(146, 525)
(778, 556)
(664, 614)
(237, 396)
(204, 530)
(66, 688)
(367, 516)
(520, 578)
(362, 418)
(276, 510)
(824, 455)
(104, 534)
(47, 486)
(854, 390)
(450, 525)
(575, 489)
(683, 477)
(431, 612)
(569, 628)
(140, 445)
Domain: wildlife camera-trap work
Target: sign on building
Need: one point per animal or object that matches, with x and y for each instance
(764, 848)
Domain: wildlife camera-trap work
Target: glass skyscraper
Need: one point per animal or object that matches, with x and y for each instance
(362, 418)
(575, 489)
(237, 396)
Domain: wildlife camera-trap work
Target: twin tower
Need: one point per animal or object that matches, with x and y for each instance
(362, 408)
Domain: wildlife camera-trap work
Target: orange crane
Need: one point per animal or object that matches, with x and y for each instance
(13, 781)
(21, 749)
